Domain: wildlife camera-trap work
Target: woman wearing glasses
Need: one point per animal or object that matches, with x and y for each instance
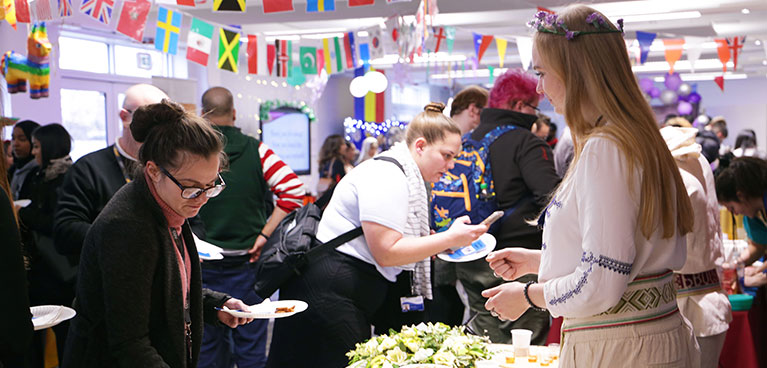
(140, 302)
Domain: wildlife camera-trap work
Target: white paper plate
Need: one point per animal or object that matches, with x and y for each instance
(22, 202)
(268, 310)
(476, 250)
(424, 365)
(44, 316)
(207, 251)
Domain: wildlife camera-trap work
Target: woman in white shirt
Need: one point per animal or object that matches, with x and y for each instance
(346, 288)
(614, 229)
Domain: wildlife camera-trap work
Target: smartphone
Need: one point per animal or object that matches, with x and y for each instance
(495, 216)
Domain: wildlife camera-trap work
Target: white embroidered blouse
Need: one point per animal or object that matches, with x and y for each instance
(592, 243)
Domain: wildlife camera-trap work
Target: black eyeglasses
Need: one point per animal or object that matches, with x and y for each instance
(532, 107)
(194, 192)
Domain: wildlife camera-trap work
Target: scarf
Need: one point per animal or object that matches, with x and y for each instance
(56, 167)
(417, 216)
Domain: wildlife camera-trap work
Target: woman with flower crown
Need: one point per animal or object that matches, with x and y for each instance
(614, 229)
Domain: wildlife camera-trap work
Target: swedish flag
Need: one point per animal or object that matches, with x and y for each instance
(168, 29)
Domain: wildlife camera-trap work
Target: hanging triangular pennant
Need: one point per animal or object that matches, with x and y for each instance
(41, 10)
(229, 5)
(450, 34)
(274, 6)
(694, 49)
(673, 52)
(252, 52)
(361, 2)
(65, 8)
(271, 53)
(477, 42)
(8, 12)
(199, 41)
(439, 34)
(645, 40)
(720, 82)
(22, 10)
(500, 43)
(491, 70)
(185, 3)
(319, 6)
(540, 8)
(133, 19)
(484, 44)
(525, 49)
(723, 51)
(168, 29)
(736, 44)
(228, 50)
(308, 59)
(100, 10)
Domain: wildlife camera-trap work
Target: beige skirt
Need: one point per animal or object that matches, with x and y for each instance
(665, 342)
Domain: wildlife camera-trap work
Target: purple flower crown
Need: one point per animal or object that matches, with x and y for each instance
(551, 23)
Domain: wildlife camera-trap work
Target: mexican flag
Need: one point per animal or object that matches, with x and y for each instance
(199, 41)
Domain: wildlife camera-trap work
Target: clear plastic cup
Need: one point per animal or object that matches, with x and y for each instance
(520, 338)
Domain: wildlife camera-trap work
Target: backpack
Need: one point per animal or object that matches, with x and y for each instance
(293, 245)
(467, 189)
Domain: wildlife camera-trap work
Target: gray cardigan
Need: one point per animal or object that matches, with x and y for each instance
(129, 300)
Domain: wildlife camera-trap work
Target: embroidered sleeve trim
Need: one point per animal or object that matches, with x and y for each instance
(614, 265)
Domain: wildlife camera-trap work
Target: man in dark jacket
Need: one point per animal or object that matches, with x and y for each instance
(238, 222)
(524, 176)
(92, 181)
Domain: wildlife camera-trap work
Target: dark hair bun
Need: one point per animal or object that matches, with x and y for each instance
(435, 107)
(148, 117)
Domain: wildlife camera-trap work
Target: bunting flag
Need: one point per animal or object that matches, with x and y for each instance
(228, 50)
(491, 74)
(100, 10)
(199, 41)
(314, 6)
(229, 5)
(320, 61)
(481, 43)
(271, 53)
(719, 82)
(365, 53)
(450, 39)
(185, 2)
(349, 50)
(439, 34)
(540, 8)
(361, 2)
(376, 42)
(673, 52)
(339, 57)
(525, 49)
(326, 55)
(42, 10)
(308, 59)
(274, 6)
(397, 1)
(374, 105)
(500, 43)
(8, 12)
(133, 19)
(168, 29)
(252, 52)
(65, 8)
(262, 62)
(282, 48)
(694, 49)
(736, 44)
(359, 102)
(22, 10)
(723, 51)
(645, 40)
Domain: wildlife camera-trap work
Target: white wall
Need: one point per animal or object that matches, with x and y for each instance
(743, 105)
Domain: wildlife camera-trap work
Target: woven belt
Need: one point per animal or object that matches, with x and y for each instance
(689, 284)
(646, 299)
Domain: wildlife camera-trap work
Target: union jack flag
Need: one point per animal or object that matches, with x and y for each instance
(65, 8)
(100, 10)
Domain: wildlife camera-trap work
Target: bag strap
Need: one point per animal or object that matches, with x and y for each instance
(348, 236)
(392, 160)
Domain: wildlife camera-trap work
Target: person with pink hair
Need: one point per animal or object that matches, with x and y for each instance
(523, 175)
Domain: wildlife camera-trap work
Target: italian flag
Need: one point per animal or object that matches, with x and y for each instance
(199, 41)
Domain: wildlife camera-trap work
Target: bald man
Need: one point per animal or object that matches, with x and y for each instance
(94, 178)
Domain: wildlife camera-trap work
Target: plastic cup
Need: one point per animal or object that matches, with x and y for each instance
(520, 338)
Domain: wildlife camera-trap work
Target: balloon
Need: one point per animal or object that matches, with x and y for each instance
(358, 87)
(684, 89)
(654, 92)
(376, 81)
(668, 97)
(693, 98)
(673, 81)
(702, 120)
(684, 108)
(646, 84)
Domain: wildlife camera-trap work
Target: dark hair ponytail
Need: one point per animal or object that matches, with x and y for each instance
(166, 130)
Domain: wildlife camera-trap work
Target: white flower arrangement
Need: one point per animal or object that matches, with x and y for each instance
(422, 344)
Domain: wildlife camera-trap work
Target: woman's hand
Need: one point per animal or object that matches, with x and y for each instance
(463, 233)
(231, 320)
(513, 263)
(506, 301)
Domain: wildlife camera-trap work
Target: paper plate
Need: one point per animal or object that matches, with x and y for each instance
(476, 250)
(44, 316)
(268, 310)
(22, 202)
(207, 251)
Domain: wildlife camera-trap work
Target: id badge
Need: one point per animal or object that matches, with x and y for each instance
(411, 304)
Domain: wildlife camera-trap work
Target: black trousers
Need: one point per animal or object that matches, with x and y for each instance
(343, 294)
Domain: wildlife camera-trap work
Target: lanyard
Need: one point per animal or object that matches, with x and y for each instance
(122, 165)
(187, 315)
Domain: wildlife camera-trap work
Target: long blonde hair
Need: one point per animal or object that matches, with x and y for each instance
(595, 70)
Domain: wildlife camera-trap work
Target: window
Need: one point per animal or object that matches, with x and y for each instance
(83, 55)
(83, 113)
(139, 62)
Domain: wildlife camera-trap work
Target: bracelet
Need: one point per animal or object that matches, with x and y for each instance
(529, 301)
(264, 235)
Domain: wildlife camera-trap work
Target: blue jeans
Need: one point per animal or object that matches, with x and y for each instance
(223, 346)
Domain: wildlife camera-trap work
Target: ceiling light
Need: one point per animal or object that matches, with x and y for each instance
(304, 31)
(273, 38)
(479, 73)
(764, 62)
(745, 11)
(758, 43)
(681, 65)
(362, 34)
(705, 76)
(319, 36)
(661, 16)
